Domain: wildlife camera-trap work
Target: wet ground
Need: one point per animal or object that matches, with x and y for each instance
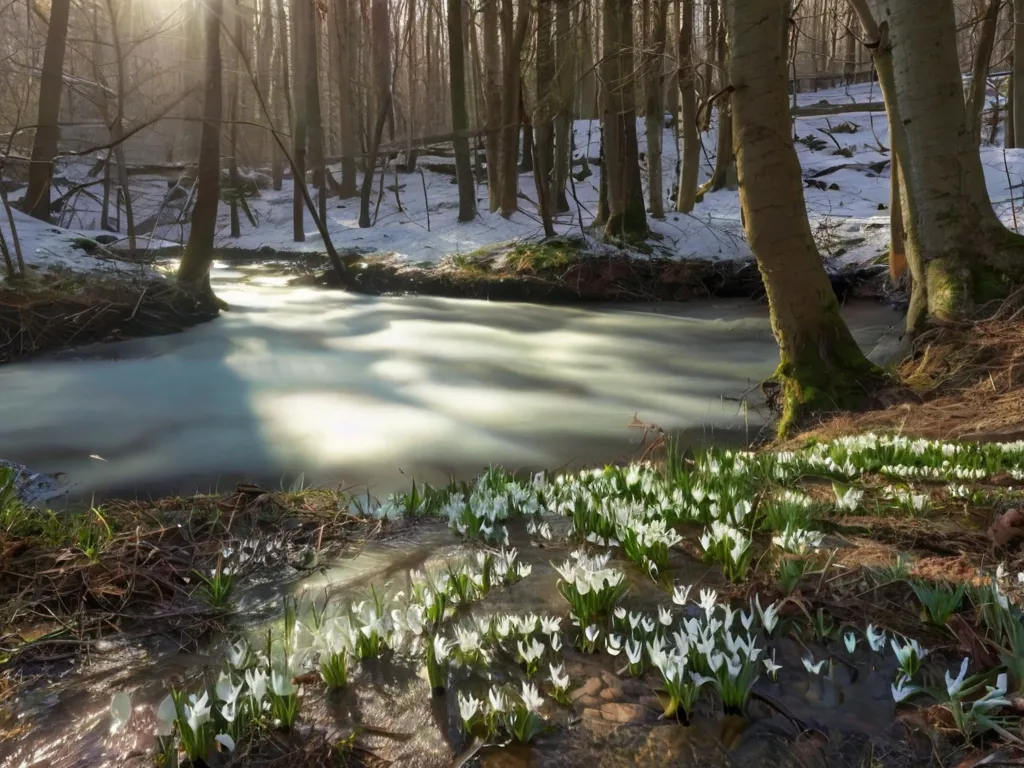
(363, 391)
(801, 720)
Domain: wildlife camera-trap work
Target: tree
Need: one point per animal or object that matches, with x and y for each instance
(460, 117)
(382, 78)
(564, 80)
(514, 37)
(492, 98)
(194, 270)
(821, 367)
(655, 118)
(44, 145)
(977, 93)
(686, 196)
(345, 31)
(282, 100)
(300, 117)
(621, 163)
(957, 249)
(1017, 96)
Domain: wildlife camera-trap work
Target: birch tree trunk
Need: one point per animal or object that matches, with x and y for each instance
(460, 118)
(821, 367)
(194, 270)
(686, 195)
(44, 143)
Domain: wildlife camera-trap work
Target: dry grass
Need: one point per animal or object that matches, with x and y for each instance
(965, 381)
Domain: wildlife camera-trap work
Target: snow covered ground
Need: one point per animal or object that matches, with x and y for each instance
(849, 216)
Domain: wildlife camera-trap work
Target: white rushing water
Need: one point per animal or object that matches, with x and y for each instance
(357, 390)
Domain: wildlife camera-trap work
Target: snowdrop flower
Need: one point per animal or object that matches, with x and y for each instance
(906, 653)
(813, 667)
(531, 652)
(592, 632)
(849, 500)
(953, 686)
(995, 697)
(747, 620)
(238, 654)
(733, 665)
(469, 706)
(441, 648)
(550, 625)
(620, 613)
(875, 639)
(556, 643)
(225, 741)
(772, 667)
(281, 684)
(613, 645)
(902, 689)
(681, 594)
(769, 615)
(496, 699)
(165, 717)
(558, 677)
(634, 651)
(532, 699)
(120, 710)
(850, 640)
(199, 713)
(664, 616)
(715, 661)
(648, 624)
(707, 601)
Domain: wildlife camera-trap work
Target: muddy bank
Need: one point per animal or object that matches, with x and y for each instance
(64, 312)
(579, 279)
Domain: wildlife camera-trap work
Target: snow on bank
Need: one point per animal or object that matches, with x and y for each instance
(844, 157)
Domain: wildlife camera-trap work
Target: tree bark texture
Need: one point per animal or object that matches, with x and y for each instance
(460, 116)
(686, 196)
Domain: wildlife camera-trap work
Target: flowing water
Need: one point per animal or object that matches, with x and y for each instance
(366, 391)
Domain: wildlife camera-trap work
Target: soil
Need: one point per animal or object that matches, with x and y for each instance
(64, 311)
(579, 279)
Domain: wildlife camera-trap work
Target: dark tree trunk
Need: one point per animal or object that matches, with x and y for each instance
(460, 118)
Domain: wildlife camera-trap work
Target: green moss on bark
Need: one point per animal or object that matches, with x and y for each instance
(826, 372)
(630, 223)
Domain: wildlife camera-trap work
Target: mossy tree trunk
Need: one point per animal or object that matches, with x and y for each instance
(821, 367)
(621, 163)
(194, 270)
(964, 251)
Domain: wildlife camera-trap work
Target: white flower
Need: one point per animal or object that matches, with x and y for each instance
(664, 616)
(681, 594)
(995, 697)
(953, 686)
(165, 717)
(556, 643)
(120, 710)
(496, 699)
(850, 640)
(238, 654)
(707, 601)
(530, 652)
(558, 677)
(747, 619)
(531, 699)
(281, 684)
(550, 625)
(875, 639)
(592, 633)
(813, 667)
(227, 692)
(769, 615)
(199, 713)
(634, 651)
(905, 652)
(901, 689)
(469, 706)
(771, 666)
(613, 645)
(441, 648)
(225, 741)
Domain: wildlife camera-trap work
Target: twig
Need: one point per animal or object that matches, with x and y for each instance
(426, 202)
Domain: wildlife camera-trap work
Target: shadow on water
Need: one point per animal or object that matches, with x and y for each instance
(799, 720)
(357, 390)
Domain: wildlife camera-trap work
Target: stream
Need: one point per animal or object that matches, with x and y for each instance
(360, 391)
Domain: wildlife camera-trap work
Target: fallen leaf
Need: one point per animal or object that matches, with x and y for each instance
(1007, 527)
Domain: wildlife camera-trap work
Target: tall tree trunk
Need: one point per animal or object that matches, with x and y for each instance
(314, 119)
(194, 270)
(952, 228)
(460, 117)
(588, 75)
(492, 93)
(515, 37)
(897, 253)
(626, 215)
(410, 121)
(44, 145)
(821, 366)
(978, 89)
(655, 117)
(709, 54)
(235, 67)
(565, 79)
(850, 57)
(264, 60)
(283, 110)
(1017, 80)
(724, 174)
(299, 131)
(345, 34)
(382, 79)
(543, 124)
(689, 174)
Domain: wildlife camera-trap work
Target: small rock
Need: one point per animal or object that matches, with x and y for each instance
(609, 694)
(592, 714)
(623, 713)
(589, 702)
(589, 688)
(611, 681)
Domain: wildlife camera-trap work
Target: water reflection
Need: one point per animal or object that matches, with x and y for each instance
(355, 390)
